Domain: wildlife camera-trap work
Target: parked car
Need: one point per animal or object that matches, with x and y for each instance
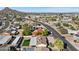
(14, 33)
(62, 37)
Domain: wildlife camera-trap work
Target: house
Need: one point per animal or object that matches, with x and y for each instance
(16, 44)
(41, 41)
(37, 31)
(0, 23)
(76, 37)
(33, 41)
(4, 40)
(15, 41)
(66, 19)
(14, 32)
(71, 31)
(13, 28)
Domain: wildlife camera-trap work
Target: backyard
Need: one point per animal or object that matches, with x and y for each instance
(26, 42)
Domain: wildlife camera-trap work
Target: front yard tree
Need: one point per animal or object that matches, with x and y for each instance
(45, 32)
(59, 44)
(26, 30)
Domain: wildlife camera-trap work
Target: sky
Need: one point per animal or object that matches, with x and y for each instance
(45, 9)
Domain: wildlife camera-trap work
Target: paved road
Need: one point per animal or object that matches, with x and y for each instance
(56, 34)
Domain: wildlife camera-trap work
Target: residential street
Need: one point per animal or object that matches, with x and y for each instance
(56, 34)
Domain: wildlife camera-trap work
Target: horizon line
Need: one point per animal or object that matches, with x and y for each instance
(45, 9)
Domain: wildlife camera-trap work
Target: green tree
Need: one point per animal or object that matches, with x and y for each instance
(26, 30)
(75, 18)
(71, 27)
(59, 44)
(53, 18)
(66, 24)
(58, 24)
(51, 45)
(45, 32)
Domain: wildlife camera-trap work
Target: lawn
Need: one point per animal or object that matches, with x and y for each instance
(26, 43)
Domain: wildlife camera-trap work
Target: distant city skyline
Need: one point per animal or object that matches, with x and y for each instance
(45, 9)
